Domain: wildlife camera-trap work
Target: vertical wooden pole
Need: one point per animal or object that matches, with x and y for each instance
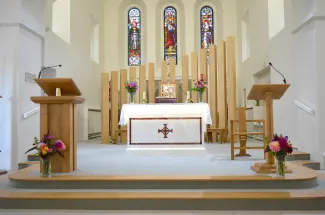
(172, 71)
(133, 77)
(114, 100)
(212, 90)
(194, 73)
(203, 70)
(123, 97)
(105, 108)
(142, 83)
(184, 76)
(221, 85)
(164, 72)
(163, 75)
(151, 82)
(269, 129)
(231, 71)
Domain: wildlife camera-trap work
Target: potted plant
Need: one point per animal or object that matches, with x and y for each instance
(131, 87)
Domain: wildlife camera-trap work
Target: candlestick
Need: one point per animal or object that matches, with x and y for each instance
(144, 95)
(188, 95)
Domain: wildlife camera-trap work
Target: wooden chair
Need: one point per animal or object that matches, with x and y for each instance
(242, 133)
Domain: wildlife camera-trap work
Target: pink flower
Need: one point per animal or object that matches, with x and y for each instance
(50, 150)
(41, 145)
(59, 145)
(275, 146)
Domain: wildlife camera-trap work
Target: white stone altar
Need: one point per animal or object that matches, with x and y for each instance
(165, 123)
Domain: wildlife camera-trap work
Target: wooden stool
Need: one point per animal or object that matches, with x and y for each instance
(220, 131)
(119, 132)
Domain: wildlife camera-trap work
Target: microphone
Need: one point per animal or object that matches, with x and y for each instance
(191, 101)
(40, 72)
(284, 79)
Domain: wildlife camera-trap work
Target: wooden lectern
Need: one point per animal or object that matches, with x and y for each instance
(267, 92)
(58, 116)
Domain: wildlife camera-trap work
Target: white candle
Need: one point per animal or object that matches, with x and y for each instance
(188, 94)
(144, 95)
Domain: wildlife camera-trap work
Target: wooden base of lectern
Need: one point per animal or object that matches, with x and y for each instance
(266, 168)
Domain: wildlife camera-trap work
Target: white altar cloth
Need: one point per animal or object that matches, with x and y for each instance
(165, 123)
(165, 110)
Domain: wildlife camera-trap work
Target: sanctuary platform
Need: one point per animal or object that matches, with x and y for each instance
(114, 178)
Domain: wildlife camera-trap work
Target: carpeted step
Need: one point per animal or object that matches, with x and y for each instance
(297, 155)
(33, 157)
(310, 164)
(23, 165)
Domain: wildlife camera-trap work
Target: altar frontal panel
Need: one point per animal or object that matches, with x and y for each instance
(147, 131)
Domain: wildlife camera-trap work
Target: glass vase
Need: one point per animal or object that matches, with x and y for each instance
(280, 166)
(131, 97)
(46, 164)
(200, 96)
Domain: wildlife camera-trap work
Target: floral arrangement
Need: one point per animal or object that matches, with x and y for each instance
(199, 86)
(131, 86)
(48, 146)
(279, 145)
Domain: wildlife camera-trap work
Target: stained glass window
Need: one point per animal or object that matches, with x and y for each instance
(134, 37)
(206, 15)
(170, 34)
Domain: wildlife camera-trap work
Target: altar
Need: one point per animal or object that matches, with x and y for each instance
(165, 123)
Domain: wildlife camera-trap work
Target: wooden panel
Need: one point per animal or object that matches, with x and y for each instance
(123, 96)
(231, 72)
(194, 73)
(142, 83)
(105, 108)
(172, 71)
(114, 101)
(133, 77)
(221, 84)
(203, 70)
(184, 76)
(163, 72)
(151, 82)
(74, 140)
(212, 90)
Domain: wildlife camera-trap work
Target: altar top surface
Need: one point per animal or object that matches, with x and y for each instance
(165, 110)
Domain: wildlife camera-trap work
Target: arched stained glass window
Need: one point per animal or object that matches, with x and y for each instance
(207, 37)
(134, 37)
(170, 34)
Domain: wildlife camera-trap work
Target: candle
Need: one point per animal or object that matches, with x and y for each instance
(201, 77)
(144, 95)
(188, 95)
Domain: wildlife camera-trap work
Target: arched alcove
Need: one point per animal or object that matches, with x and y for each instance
(179, 6)
(122, 21)
(217, 19)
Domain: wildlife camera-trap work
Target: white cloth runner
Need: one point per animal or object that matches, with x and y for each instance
(165, 110)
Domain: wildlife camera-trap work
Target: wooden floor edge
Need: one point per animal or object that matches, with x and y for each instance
(24, 175)
(159, 195)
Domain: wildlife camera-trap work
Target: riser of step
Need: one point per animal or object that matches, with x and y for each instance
(165, 204)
